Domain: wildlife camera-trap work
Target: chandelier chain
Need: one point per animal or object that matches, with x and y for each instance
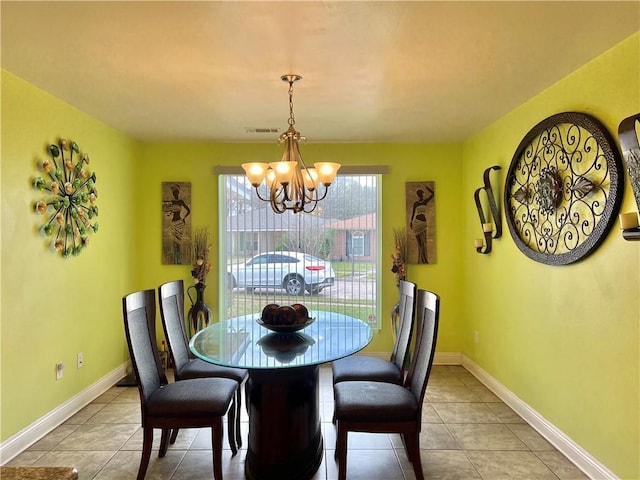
(292, 119)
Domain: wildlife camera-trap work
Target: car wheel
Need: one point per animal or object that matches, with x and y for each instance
(294, 285)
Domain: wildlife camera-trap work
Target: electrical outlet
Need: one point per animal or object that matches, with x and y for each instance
(59, 370)
(80, 359)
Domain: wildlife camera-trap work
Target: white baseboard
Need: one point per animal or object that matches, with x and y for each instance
(441, 358)
(38, 429)
(448, 358)
(576, 454)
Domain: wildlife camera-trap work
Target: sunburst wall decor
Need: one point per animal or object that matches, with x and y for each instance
(69, 206)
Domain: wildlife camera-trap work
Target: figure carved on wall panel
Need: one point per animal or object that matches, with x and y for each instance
(421, 222)
(176, 223)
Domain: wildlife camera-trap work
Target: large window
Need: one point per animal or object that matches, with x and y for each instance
(326, 260)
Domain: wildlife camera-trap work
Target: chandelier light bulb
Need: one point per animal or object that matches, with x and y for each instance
(326, 172)
(255, 172)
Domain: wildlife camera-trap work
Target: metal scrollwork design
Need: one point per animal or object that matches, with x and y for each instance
(549, 188)
(563, 189)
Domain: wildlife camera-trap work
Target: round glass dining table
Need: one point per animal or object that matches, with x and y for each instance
(285, 440)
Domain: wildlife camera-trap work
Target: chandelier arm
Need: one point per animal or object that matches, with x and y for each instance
(313, 207)
(311, 195)
(326, 190)
(276, 205)
(297, 189)
(257, 189)
(298, 155)
(286, 192)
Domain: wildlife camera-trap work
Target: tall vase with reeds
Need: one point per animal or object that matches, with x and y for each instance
(199, 315)
(399, 269)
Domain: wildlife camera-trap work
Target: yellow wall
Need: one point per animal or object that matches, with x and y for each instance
(53, 308)
(563, 339)
(407, 163)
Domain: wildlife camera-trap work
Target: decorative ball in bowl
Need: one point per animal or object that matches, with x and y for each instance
(286, 318)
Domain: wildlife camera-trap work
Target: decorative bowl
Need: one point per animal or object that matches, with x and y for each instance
(285, 328)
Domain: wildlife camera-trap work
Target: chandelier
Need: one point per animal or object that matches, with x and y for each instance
(291, 185)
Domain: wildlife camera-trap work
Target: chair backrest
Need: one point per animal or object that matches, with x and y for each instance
(406, 307)
(137, 309)
(427, 317)
(171, 299)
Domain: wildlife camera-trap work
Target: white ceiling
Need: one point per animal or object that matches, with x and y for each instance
(372, 71)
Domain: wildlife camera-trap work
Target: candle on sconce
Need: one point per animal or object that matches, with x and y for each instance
(487, 227)
(628, 220)
(478, 243)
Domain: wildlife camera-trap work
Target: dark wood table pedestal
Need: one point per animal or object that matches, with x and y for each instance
(285, 440)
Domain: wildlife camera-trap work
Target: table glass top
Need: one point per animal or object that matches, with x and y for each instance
(242, 342)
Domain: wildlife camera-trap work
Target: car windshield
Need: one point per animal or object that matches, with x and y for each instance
(258, 260)
(278, 258)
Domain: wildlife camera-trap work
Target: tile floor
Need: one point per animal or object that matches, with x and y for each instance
(468, 433)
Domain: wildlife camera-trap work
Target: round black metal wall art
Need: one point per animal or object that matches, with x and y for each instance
(563, 189)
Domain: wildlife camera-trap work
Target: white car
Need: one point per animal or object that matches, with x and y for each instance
(293, 271)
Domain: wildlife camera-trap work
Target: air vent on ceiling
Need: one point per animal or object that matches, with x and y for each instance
(261, 130)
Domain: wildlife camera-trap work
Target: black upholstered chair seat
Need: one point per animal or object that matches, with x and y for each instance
(375, 369)
(362, 401)
(204, 398)
(197, 368)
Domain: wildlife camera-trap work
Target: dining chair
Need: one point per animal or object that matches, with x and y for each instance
(185, 364)
(362, 367)
(149, 299)
(196, 403)
(380, 407)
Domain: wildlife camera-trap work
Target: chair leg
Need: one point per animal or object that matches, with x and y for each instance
(341, 452)
(231, 427)
(412, 445)
(174, 435)
(216, 447)
(246, 394)
(238, 413)
(147, 442)
(404, 445)
(164, 442)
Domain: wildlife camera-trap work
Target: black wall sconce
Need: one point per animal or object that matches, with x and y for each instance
(491, 227)
(630, 143)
